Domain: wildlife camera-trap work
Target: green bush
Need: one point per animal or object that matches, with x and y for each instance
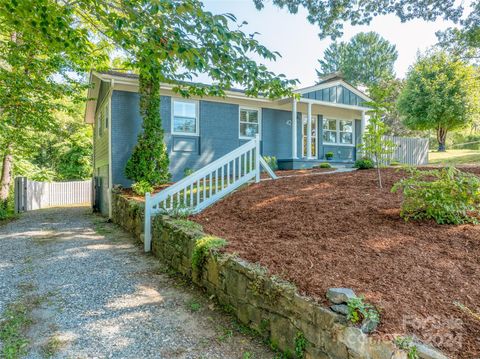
(142, 187)
(324, 165)
(364, 163)
(447, 195)
(187, 172)
(272, 162)
(329, 155)
(7, 209)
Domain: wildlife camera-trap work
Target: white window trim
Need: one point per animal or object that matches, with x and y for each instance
(314, 118)
(337, 133)
(259, 110)
(197, 115)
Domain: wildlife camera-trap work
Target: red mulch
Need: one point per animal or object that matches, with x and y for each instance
(340, 230)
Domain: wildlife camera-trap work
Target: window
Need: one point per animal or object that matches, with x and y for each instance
(249, 122)
(346, 132)
(330, 131)
(102, 119)
(314, 136)
(185, 117)
(338, 132)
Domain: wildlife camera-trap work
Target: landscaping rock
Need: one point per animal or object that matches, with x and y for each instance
(340, 308)
(340, 295)
(426, 352)
(369, 325)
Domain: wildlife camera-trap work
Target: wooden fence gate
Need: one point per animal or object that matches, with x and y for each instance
(31, 195)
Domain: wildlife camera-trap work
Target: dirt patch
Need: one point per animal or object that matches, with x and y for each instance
(340, 230)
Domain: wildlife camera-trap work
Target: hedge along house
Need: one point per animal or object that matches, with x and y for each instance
(327, 117)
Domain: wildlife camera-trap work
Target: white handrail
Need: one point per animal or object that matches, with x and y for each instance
(222, 177)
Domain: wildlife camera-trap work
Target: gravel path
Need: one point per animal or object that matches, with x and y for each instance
(101, 297)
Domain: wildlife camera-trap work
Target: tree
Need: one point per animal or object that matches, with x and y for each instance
(464, 41)
(385, 94)
(330, 16)
(173, 42)
(441, 93)
(366, 59)
(374, 146)
(42, 50)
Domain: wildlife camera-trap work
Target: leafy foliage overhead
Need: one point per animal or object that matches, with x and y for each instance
(464, 41)
(176, 41)
(330, 16)
(366, 59)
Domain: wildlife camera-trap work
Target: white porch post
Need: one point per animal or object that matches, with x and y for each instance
(294, 128)
(309, 130)
(363, 123)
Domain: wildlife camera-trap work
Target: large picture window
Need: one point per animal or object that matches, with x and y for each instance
(185, 117)
(249, 122)
(338, 132)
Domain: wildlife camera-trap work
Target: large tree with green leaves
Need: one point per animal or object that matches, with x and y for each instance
(366, 59)
(173, 42)
(42, 51)
(330, 16)
(441, 93)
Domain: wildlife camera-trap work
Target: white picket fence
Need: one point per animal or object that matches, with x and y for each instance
(409, 150)
(207, 185)
(32, 195)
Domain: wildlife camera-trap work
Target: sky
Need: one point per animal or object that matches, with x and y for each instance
(298, 42)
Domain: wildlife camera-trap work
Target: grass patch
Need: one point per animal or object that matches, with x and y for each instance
(52, 346)
(454, 157)
(16, 321)
(102, 227)
(194, 306)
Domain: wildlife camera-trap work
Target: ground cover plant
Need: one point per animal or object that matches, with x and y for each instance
(445, 195)
(341, 230)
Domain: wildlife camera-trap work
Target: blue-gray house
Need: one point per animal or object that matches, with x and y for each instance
(328, 117)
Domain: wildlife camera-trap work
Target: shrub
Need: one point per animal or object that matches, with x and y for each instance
(364, 163)
(187, 172)
(447, 195)
(329, 155)
(359, 310)
(142, 187)
(324, 165)
(272, 162)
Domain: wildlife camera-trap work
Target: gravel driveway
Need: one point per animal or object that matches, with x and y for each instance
(98, 296)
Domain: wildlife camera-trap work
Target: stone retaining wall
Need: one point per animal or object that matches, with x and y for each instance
(294, 324)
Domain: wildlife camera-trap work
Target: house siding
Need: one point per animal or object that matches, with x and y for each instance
(335, 94)
(218, 135)
(100, 153)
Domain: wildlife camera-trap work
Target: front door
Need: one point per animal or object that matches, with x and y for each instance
(314, 136)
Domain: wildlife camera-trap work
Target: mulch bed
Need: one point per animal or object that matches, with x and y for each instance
(340, 230)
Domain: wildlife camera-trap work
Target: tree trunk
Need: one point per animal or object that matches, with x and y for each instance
(441, 138)
(6, 178)
(379, 174)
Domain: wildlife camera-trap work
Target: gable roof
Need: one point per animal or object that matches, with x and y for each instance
(332, 80)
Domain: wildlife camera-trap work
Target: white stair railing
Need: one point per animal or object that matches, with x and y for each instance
(206, 186)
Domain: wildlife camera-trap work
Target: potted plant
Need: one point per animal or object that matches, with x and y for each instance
(329, 156)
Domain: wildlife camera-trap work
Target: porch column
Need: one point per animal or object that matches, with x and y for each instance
(294, 128)
(363, 123)
(309, 130)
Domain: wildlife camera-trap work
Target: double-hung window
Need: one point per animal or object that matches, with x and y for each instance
(338, 132)
(102, 119)
(249, 122)
(184, 117)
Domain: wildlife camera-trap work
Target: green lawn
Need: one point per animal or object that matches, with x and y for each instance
(454, 157)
